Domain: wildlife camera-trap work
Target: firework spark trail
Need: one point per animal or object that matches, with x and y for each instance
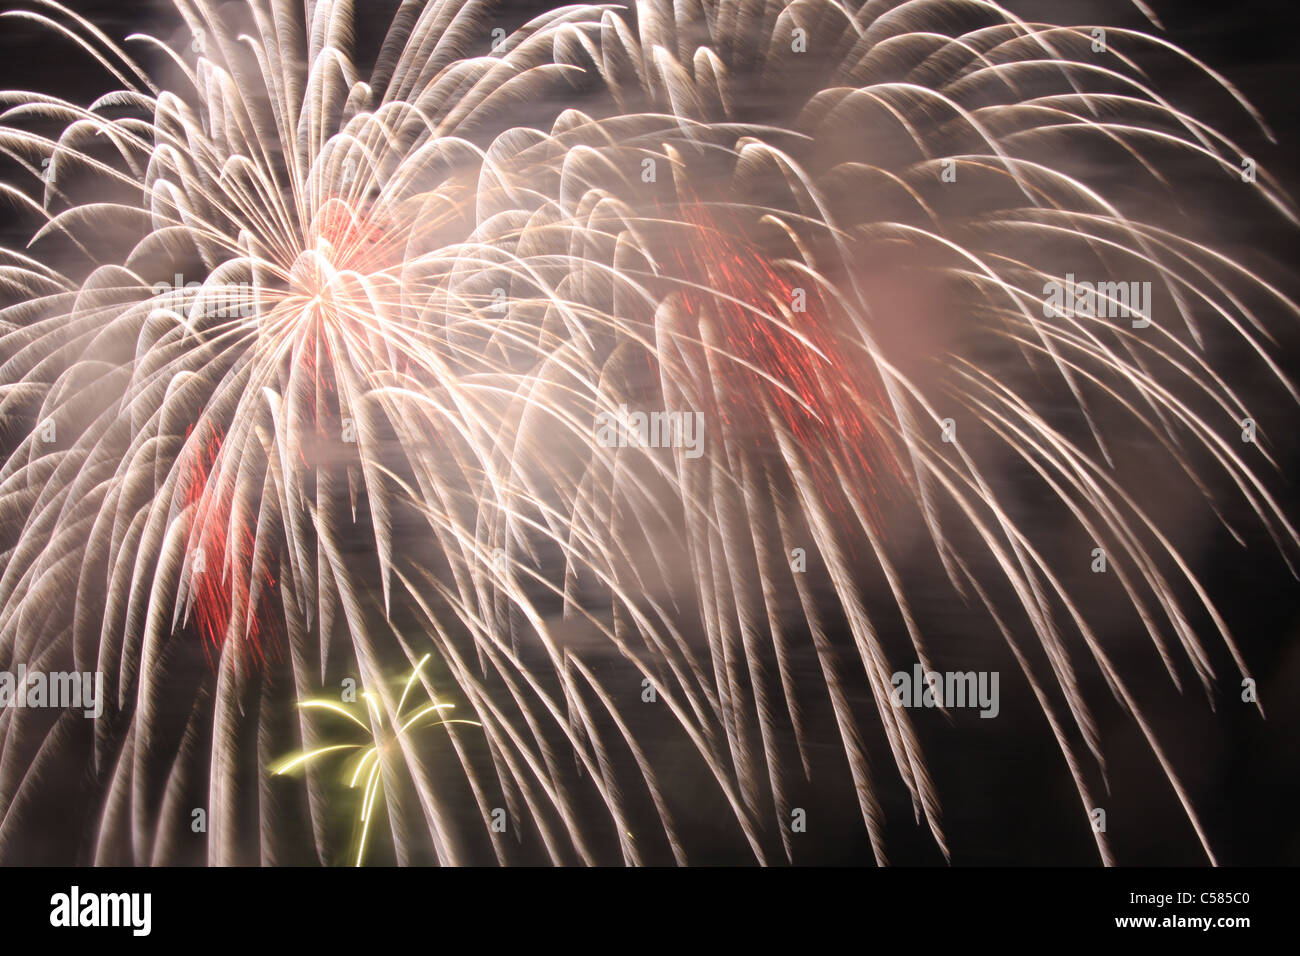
(371, 764)
(388, 449)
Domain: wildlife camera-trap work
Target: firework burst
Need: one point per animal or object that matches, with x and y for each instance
(315, 396)
(368, 771)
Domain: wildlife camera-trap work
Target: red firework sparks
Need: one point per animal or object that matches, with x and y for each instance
(830, 399)
(221, 556)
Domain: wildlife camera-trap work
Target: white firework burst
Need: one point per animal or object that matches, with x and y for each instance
(304, 370)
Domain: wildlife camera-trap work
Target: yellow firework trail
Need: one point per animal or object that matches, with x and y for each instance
(368, 717)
